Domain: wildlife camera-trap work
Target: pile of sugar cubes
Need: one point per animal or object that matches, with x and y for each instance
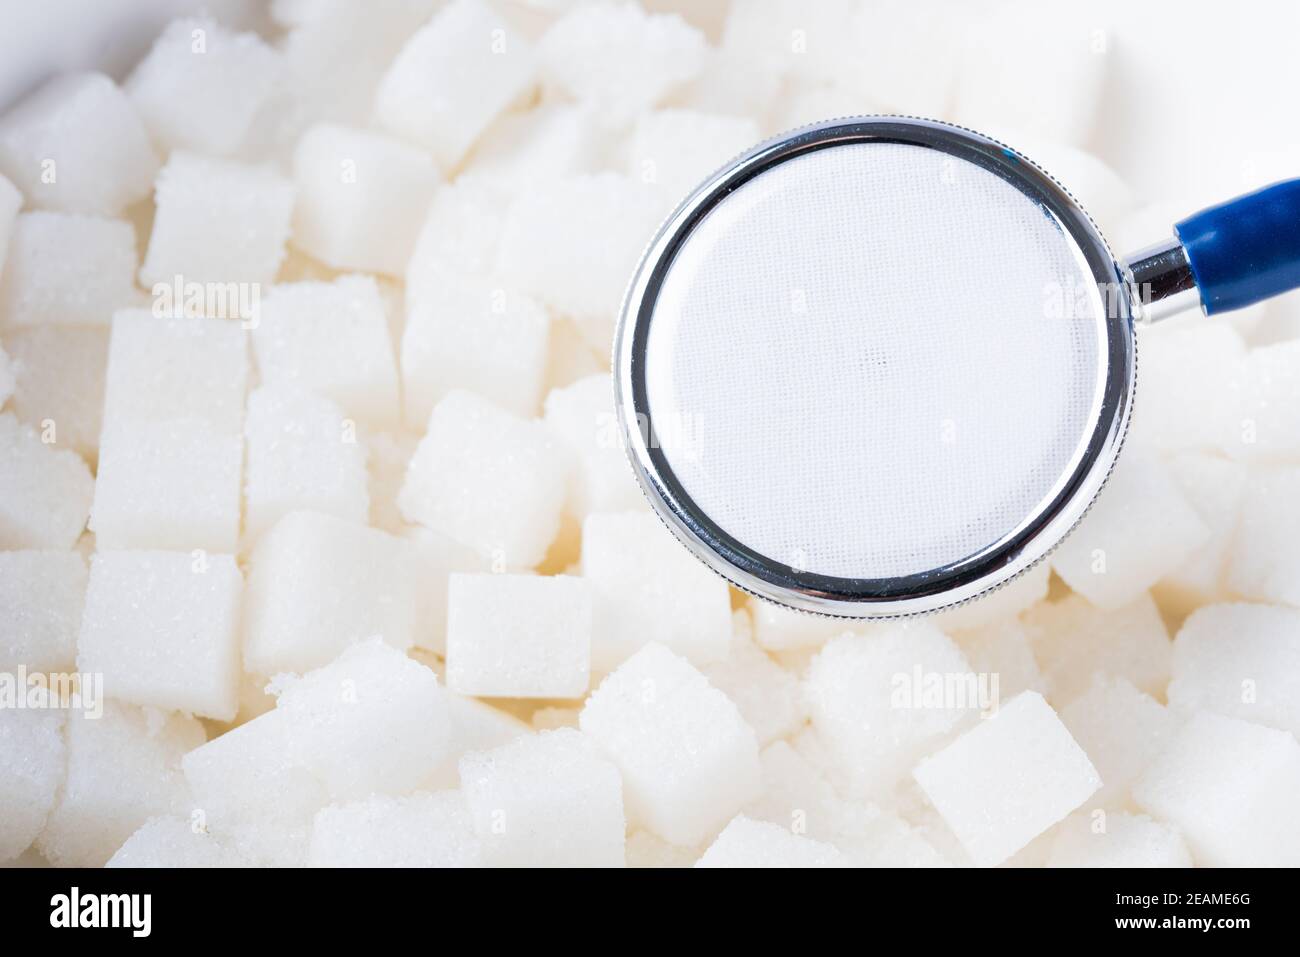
(310, 482)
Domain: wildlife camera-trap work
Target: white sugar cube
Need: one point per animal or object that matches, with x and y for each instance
(882, 700)
(689, 761)
(749, 843)
(59, 380)
(163, 630)
(619, 58)
(1072, 640)
(1001, 50)
(1008, 779)
(1186, 374)
(31, 772)
(461, 234)
(11, 201)
(452, 78)
(731, 82)
(362, 198)
(1117, 840)
(582, 414)
(41, 595)
(201, 86)
(77, 145)
(170, 485)
(1121, 730)
(1215, 487)
(371, 722)
(419, 830)
(163, 369)
(1264, 558)
(1140, 529)
(475, 726)
(471, 333)
(438, 557)
(769, 697)
(251, 793)
(123, 768)
(575, 244)
(1262, 404)
(331, 338)
(1002, 649)
(45, 491)
(1230, 787)
(789, 37)
(301, 455)
(1000, 604)
(548, 800)
(648, 588)
(518, 636)
(777, 628)
(67, 268)
(174, 842)
(487, 479)
(673, 150)
(217, 221)
(318, 584)
(522, 151)
(643, 849)
(1242, 661)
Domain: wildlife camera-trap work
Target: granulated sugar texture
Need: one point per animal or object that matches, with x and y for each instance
(317, 541)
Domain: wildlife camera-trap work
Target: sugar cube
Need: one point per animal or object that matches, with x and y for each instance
(619, 58)
(1002, 649)
(362, 197)
(789, 37)
(1242, 661)
(1230, 787)
(582, 415)
(1121, 730)
(523, 151)
(300, 455)
(1008, 779)
(250, 793)
(438, 557)
(165, 369)
(419, 830)
(77, 145)
(1264, 558)
(1000, 604)
(471, 333)
(174, 842)
(1140, 529)
(452, 78)
(672, 150)
(1260, 402)
(31, 761)
(475, 726)
(777, 628)
(882, 700)
(67, 268)
(518, 636)
(371, 722)
(1186, 373)
(488, 480)
(689, 762)
(575, 244)
(643, 849)
(201, 86)
(769, 697)
(461, 235)
(59, 382)
(163, 630)
(547, 800)
(749, 843)
(1214, 487)
(123, 768)
(647, 589)
(41, 596)
(217, 221)
(169, 485)
(318, 584)
(331, 338)
(45, 491)
(1072, 640)
(1117, 840)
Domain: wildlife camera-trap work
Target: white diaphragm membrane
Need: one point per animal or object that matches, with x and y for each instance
(874, 360)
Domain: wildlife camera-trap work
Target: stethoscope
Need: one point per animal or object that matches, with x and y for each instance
(883, 365)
